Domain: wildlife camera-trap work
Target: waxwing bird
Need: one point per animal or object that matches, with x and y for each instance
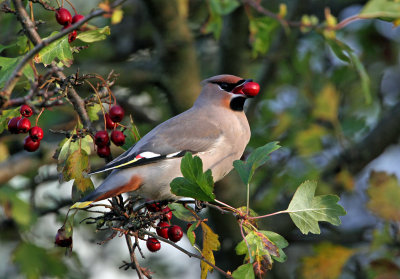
(215, 129)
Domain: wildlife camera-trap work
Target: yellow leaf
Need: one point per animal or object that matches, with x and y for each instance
(327, 104)
(117, 16)
(345, 179)
(210, 244)
(384, 193)
(327, 263)
(309, 141)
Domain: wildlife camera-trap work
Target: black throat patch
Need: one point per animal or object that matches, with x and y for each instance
(237, 103)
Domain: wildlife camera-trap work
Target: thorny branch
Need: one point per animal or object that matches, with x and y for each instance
(40, 44)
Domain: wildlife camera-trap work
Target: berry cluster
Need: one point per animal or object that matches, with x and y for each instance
(21, 124)
(64, 17)
(164, 228)
(101, 138)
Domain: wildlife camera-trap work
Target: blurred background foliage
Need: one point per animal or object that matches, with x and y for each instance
(331, 97)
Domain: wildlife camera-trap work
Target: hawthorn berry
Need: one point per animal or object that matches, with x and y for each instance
(23, 125)
(153, 207)
(117, 137)
(101, 138)
(109, 123)
(63, 16)
(26, 111)
(103, 151)
(62, 239)
(72, 35)
(162, 229)
(30, 145)
(12, 125)
(116, 113)
(153, 244)
(167, 213)
(76, 18)
(175, 233)
(251, 88)
(36, 133)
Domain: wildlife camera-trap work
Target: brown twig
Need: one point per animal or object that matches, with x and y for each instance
(44, 5)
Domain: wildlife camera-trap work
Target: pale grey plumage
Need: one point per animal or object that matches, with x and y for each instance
(211, 129)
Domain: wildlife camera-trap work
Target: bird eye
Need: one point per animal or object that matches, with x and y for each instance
(224, 86)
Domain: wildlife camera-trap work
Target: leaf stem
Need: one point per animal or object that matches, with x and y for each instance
(269, 215)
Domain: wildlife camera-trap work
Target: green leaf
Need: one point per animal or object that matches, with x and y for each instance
(346, 54)
(219, 8)
(19, 210)
(94, 35)
(306, 210)
(58, 50)
(93, 111)
(244, 271)
(181, 212)
(384, 9)
(131, 135)
(365, 81)
(256, 159)
(3, 47)
(259, 244)
(6, 115)
(280, 242)
(223, 7)
(7, 66)
(36, 262)
(190, 233)
(194, 183)
(261, 31)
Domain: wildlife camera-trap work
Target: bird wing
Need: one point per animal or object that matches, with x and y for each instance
(171, 139)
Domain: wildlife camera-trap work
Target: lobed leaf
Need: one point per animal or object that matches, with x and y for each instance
(59, 50)
(194, 183)
(306, 210)
(7, 66)
(244, 271)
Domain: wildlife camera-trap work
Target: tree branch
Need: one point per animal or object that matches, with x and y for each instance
(17, 73)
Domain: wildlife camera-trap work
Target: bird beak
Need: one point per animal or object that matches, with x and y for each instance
(239, 88)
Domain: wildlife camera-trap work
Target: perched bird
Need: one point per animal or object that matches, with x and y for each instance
(215, 129)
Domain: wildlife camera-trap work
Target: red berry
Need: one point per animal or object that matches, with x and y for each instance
(72, 36)
(30, 145)
(175, 233)
(36, 133)
(62, 239)
(109, 123)
(63, 16)
(12, 125)
(117, 137)
(251, 88)
(153, 207)
(76, 18)
(101, 138)
(167, 213)
(23, 125)
(153, 244)
(162, 229)
(116, 113)
(26, 111)
(103, 151)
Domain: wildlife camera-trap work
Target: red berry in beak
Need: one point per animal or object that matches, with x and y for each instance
(251, 88)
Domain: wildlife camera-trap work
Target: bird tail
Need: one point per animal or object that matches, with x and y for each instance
(106, 191)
